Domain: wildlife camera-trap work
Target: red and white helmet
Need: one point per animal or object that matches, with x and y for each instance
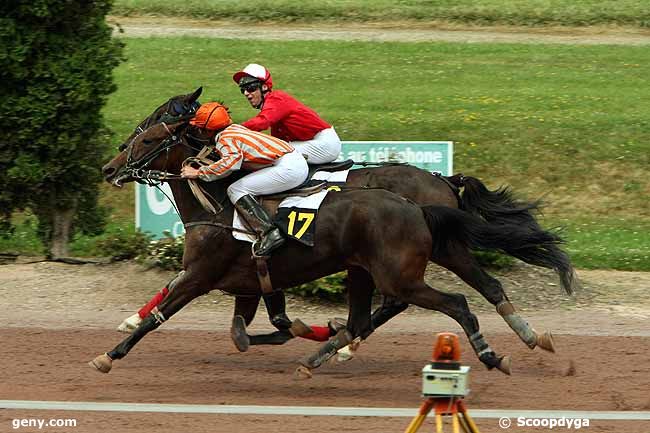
(254, 71)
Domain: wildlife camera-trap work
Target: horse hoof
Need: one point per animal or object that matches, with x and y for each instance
(238, 334)
(103, 363)
(299, 328)
(130, 323)
(545, 341)
(345, 354)
(336, 324)
(302, 373)
(505, 365)
(350, 351)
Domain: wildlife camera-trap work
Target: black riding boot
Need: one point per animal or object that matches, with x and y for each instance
(260, 221)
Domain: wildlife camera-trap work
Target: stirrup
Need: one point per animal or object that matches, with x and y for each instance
(272, 246)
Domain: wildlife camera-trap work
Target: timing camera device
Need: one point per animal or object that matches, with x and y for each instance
(445, 382)
(444, 376)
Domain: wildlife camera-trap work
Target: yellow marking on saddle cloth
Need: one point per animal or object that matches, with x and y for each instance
(296, 217)
(299, 223)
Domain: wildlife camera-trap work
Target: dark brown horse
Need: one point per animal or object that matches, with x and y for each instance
(381, 239)
(423, 188)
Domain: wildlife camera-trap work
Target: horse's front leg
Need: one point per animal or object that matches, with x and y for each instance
(130, 323)
(185, 290)
(389, 308)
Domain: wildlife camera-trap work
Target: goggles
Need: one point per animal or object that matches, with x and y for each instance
(250, 87)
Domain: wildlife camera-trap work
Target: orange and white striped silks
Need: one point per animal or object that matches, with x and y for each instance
(240, 147)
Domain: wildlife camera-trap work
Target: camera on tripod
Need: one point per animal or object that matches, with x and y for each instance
(444, 376)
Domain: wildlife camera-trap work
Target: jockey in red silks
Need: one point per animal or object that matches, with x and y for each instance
(286, 117)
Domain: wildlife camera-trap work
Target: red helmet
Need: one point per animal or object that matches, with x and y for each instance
(255, 71)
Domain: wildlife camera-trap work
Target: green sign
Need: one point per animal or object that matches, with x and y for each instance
(154, 212)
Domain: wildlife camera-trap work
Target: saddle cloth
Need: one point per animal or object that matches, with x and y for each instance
(310, 202)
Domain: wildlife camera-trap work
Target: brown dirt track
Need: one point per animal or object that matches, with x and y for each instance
(56, 317)
(191, 360)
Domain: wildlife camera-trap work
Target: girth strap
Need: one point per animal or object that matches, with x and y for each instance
(263, 274)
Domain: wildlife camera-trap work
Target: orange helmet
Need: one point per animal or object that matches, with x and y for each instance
(213, 116)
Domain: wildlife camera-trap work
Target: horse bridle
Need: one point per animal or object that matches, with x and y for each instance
(137, 169)
(175, 112)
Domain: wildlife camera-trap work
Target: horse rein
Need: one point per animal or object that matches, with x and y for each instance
(137, 169)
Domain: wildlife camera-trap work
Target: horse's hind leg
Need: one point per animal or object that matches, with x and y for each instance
(390, 308)
(463, 264)
(245, 309)
(455, 306)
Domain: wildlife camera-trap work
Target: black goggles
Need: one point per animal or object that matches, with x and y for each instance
(250, 87)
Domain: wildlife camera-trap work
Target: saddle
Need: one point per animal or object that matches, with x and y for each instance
(271, 202)
(330, 166)
(309, 186)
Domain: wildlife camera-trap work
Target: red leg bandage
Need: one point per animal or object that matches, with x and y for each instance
(153, 302)
(321, 333)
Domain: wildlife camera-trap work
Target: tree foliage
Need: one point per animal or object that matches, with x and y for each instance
(56, 63)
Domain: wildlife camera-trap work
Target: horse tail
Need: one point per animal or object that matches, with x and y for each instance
(498, 206)
(532, 245)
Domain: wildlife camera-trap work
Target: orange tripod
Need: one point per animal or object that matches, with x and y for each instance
(444, 406)
(444, 384)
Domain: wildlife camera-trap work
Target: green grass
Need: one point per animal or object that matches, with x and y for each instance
(569, 123)
(475, 12)
(609, 243)
(24, 240)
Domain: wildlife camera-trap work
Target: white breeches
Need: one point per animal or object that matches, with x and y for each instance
(324, 147)
(287, 172)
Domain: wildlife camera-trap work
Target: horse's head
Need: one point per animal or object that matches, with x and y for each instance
(175, 109)
(155, 154)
